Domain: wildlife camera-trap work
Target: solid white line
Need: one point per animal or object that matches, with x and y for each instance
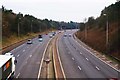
(87, 59)
(54, 63)
(48, 66)
(73, 59)
(42, 59)
(18, 75)
(60, 61)
(97, 68)
(95, 55)
(18, 55)
(79, 68)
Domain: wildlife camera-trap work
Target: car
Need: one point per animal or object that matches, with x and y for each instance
(70, 35)
(29, 41)
(39, 36)
(9, 54)
(65, 35)
(53, 33)
(40, 39)
(51, 36)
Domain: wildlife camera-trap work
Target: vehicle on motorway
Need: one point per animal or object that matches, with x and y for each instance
(29, 41)
(53, 33)
(59, 32)
(69, 35)
(39, 36)
(65, 35)
(40, 39)
(7, 67)
(51, 36)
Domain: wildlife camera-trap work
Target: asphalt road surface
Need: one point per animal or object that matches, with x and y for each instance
(29, 57)
(77, 62)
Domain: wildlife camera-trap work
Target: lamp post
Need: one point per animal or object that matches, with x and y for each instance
(85, 29)
(107, 32)
(19, 27)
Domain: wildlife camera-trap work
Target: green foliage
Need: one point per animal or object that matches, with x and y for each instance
(27, 23)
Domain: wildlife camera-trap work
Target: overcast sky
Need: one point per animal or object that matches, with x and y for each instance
(59, 10)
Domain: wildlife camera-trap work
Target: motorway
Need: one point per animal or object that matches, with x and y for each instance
(78, 62)
(29, 58)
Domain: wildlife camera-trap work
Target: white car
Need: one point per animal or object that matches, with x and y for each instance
(40, 40)
(51, 36)
(29, 41)
(65, 35)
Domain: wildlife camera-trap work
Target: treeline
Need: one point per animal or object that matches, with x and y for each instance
(69, 25)
(13, 23)
(110, 14)
(20, 24)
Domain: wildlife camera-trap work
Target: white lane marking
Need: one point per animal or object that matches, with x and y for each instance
(23, 50)
(18, 75)
(79, 68)
(27, 47)
(87, 59)
(42, 60)
(30, 55)
(18, 55)
(64, 76)
(97, 68)
(73, 58)
(80, 53)
(95, 55)
(26, 62)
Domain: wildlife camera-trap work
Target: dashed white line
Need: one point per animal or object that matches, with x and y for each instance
(18, 55)
(80, 53)
(79, 68)
(23, 50)
(87, 59)
(30, 55)
(73, 58)
(97, 57)
(97, 68)
(18, 75)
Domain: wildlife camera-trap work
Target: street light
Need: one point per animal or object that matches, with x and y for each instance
(85, 29)
(107, 31)
(19, 27)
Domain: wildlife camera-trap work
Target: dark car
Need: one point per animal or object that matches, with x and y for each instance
(39, 36)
